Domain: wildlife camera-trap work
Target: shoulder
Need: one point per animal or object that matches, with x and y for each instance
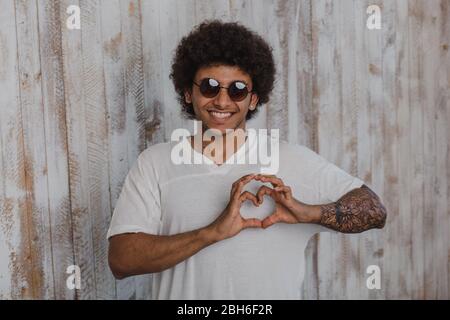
(154, 158)
(299, 152)
(155, 152)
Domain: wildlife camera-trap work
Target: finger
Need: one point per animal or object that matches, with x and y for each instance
(244, 179)
(236, 191)
(252, 223)
(286, 190)
(272, 179)
(270, 220)
(262, 191)
(248, 196)
(242, 182)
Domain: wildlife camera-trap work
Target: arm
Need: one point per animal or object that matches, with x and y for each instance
(139, 253)
(132, 254)
(357, 211)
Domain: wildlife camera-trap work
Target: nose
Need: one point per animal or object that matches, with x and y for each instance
(223, 99)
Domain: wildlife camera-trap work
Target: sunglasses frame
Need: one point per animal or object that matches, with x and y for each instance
(222, 87)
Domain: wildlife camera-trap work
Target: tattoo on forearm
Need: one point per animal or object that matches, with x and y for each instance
(357, 211)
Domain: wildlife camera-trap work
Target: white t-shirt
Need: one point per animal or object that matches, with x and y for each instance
(162, 198)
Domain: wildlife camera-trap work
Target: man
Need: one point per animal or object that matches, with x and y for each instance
(191, 226)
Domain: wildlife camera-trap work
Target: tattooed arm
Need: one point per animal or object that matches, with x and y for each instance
(357, 211)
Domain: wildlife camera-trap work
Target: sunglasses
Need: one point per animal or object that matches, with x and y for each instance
(209, 88)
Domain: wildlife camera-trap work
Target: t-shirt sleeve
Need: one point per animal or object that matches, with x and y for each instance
(335, 182)
(138, 207)
(329, 181)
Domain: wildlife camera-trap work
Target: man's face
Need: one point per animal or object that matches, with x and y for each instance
(220, 112)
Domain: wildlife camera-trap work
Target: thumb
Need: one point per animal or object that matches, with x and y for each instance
(252, 223)
(270, 220)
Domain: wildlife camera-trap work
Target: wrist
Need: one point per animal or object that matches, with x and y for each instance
(306, 213)
(209, 235)
(316, 214)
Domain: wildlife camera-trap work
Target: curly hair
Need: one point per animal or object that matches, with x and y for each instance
(214, 42)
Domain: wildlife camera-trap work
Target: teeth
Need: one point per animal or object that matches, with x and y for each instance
(221, 114)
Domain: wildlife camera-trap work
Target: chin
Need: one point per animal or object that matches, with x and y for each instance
(221, 128)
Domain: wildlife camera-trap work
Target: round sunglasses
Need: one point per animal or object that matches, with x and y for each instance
(209, 88)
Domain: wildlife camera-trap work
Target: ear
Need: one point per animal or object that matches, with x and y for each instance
(187, 96)
(254, 101)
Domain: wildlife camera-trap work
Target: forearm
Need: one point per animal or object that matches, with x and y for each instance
(357, 211)
(140, 253)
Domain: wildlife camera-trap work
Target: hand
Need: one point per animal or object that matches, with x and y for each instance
(230, 222)
(287, 208)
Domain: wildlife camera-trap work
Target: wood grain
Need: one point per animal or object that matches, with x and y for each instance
(79, 106)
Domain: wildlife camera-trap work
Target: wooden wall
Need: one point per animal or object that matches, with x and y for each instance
(78, 106)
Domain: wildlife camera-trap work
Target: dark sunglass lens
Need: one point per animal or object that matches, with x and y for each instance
(209, 87)
(238, 91)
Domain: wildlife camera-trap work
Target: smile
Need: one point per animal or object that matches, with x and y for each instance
(220, 115)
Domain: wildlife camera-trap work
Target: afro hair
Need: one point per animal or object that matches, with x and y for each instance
(214, 42)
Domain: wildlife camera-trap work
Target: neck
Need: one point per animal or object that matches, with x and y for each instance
(231, 142)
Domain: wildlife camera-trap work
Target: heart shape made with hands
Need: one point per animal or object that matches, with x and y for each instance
(274, 203)
(262, 209)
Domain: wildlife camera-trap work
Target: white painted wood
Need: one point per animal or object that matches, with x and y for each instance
(77, 136)
(394, 32)
(330, 249)
(114, 72)
(404, 262)
(435, 236)
(168, 24)
(153, 75)
(364, 242)
(36, 216)
(96, 148)
(56, 166)
(14, 281)
(79, 106)
(415, 78)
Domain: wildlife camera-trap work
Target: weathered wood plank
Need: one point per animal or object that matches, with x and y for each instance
(96, 149)
(186, 20)
(369, 100)
(136, 116)
(393, 257)
(364, 133)
(416, 133)
(50, 24)
(435, 236)
(77, 136)
(15, 259)
(442, 136)
(78, 106)
(443, 133)
(311, 281)
(428, 38)
(214, 9)
(257, 18)
(404, 225)
(168, 24)
(153, 91)
(277, 107)
(34, 152)
(328, 104)
(353, 275)
(114, 73)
